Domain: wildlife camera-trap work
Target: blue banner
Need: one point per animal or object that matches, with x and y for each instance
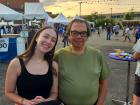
(11, 53)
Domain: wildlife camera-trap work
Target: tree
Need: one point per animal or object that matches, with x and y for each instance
(129, 16)
(91, 17)
(88, 17)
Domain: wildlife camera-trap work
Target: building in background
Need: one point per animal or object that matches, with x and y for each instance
(17, 5)
(120, 16)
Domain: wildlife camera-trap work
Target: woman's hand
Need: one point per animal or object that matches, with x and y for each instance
(28, 102)
(38, 99)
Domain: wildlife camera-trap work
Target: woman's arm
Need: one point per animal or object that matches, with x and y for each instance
(54, 89)
(10, 81)
(12, 74)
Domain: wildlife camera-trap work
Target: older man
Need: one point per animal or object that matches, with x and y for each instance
(83, 71)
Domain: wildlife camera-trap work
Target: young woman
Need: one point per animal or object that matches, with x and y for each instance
(32, 77)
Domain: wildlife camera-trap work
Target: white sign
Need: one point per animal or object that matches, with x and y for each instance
(20, 45)
(4, 43)
(24, 34)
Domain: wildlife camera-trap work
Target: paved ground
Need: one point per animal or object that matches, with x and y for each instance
(117, 80)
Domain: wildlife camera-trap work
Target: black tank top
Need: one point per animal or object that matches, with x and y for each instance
(29, 86)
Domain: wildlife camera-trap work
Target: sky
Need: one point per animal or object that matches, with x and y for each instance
(70, 8)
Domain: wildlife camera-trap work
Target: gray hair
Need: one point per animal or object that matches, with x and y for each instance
(78, 21)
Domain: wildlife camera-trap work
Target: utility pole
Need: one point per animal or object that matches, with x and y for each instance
(111, 13)
(80, 3)
(101, 16)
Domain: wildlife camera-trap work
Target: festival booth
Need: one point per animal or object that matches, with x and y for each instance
(10, 45)
(3, 23)
(61, 19)
(7, 13)
(10, 48)
(34, 14)
(7, 16)
(34, 11)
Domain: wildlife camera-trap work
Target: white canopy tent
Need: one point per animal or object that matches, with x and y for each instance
(48, 20)
(61, 19)
(7, 13)
(77, 17)
(34, 11)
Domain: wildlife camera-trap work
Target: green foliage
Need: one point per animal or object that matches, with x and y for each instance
(99, 19)
(91, 17)
(54, 15)
(103, 22)
(88, 17)
(129, 16)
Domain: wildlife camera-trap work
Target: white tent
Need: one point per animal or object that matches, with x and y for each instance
(61, 19)
(77, 17)
(34, 11)
(48, 20)
(7, 13)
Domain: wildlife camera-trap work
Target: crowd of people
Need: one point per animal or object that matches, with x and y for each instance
(126, 32)
(10, 29)
(74, 75)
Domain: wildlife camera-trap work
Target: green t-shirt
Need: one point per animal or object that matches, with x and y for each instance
(79, 75)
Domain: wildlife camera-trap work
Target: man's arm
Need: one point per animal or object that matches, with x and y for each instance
(103, 88)
(136, 55)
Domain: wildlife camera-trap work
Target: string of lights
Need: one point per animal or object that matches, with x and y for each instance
(112, 4)
(109, 2)
(97, 1)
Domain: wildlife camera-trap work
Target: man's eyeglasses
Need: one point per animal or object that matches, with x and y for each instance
(76, 33)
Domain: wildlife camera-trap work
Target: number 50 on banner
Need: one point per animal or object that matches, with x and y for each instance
(4, 43)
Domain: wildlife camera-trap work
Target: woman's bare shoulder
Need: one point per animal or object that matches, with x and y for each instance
(14, 61)
(14, 65)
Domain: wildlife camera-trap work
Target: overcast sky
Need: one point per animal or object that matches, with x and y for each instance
(51, 2)
(71, 7)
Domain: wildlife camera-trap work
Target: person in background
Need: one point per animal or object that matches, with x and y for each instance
(83, 71)
(109, 31)
(99, 29)
(3, 29)
(116, 31)
(65, 38)
(31, 34)
(136, 93)
(32, 77)
(137, 34)
(127, 34)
